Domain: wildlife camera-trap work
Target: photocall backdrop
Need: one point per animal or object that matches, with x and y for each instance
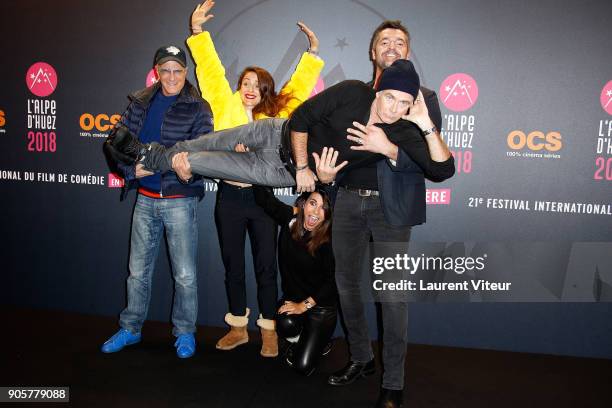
(525, 90)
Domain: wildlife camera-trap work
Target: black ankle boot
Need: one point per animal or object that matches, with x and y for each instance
(123, 147)
(390, 398)
(351, 372)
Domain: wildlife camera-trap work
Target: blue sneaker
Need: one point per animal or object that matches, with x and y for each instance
(119, 340)
(185, 345)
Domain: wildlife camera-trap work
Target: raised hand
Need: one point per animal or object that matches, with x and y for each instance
(312, 38)
(370, 138)
(326, 164)
(199, 17)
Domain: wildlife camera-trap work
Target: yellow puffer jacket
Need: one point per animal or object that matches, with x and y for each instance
(228, 111)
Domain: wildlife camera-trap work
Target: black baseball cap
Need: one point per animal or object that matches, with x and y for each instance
(170, 53)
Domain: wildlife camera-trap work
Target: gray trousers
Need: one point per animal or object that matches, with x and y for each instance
(356, 219)
(213, 155)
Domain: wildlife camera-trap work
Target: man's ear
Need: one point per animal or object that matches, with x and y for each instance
(372, 55)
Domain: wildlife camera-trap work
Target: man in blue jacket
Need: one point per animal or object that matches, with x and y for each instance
(167, 112)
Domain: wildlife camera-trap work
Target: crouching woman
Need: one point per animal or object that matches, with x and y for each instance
(308, 312)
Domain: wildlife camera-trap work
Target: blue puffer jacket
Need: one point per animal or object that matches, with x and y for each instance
(189, 117)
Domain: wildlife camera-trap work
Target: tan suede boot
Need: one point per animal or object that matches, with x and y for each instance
(269, 346)
(238, 332)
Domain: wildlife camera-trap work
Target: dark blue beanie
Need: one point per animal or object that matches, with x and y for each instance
(400, 76)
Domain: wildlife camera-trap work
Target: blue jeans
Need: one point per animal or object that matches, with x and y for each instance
(356, 219)
(179, 218)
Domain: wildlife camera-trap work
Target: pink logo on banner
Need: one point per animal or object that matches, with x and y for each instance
(319, 87)
(114, 181)
(41, 79)
(438, 196)
(459, 92)
(151, 78)
(606, 98)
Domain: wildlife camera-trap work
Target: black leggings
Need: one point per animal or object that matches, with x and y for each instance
(315, 328)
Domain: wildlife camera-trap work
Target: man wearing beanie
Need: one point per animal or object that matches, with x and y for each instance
(167, 112)
(395, 196)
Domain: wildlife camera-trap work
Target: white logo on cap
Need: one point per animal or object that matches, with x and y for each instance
(173, 50)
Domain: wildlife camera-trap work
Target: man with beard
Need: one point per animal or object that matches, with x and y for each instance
(381, 202)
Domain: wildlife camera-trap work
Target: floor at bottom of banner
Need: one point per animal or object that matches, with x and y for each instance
(52, 348)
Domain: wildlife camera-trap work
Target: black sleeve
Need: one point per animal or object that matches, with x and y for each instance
(275, 208)
(320, 106)
(327, 291)
(408, 137)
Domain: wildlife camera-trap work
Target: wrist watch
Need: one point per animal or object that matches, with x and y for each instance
(430, 131)
(308, 304)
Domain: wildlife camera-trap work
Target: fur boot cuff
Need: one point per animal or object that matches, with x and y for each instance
(237, 321)
(266, 324)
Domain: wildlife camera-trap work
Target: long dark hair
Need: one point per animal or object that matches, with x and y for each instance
(322, 233)
(271, 103)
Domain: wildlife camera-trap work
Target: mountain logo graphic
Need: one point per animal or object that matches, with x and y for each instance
(459, 92)
(606, 98)
(151, 78)
(41, 79)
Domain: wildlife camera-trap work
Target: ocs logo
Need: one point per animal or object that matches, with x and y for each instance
(2, 120)
(101, 122)
(536, 140)
(41, 79)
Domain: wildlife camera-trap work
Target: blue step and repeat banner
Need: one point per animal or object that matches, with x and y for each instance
(517, 250)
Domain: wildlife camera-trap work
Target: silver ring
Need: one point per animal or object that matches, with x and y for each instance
(360, 141)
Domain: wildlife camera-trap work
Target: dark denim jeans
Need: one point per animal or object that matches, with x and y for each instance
(356, 219)
(179, 218)
(237, 213)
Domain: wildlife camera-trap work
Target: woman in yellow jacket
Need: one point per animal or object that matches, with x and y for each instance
(236, 211)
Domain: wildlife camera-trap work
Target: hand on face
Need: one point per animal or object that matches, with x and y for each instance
(419, 114)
